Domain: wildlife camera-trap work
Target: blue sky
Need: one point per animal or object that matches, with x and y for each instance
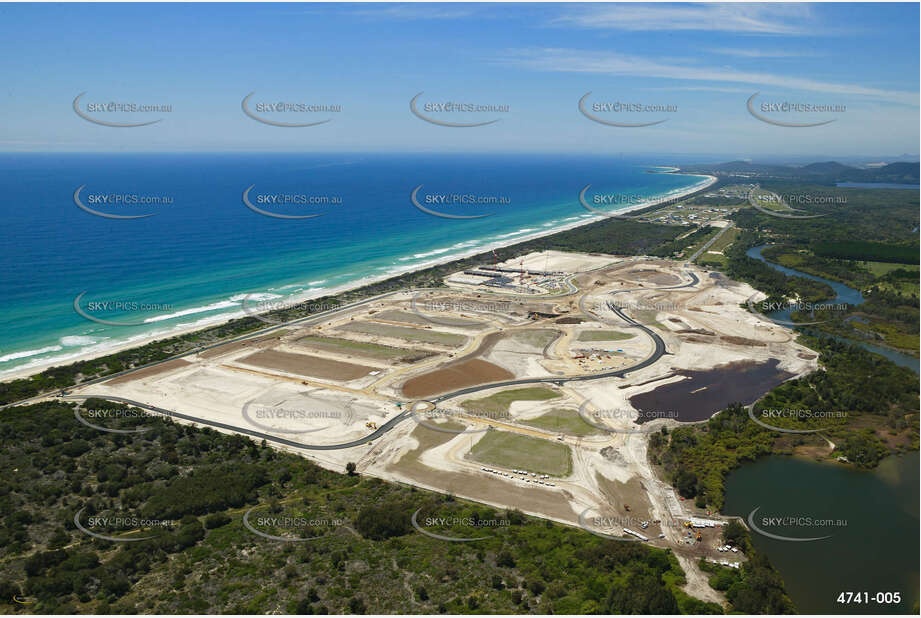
(705, 60)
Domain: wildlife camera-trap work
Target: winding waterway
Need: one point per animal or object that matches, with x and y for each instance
(843, 294)
(871, 518)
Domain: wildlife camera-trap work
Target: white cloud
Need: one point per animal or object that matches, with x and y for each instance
(762, 53)
(609, 63)
(786, 19)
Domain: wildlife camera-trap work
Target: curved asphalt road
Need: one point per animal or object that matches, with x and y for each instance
(406, 413)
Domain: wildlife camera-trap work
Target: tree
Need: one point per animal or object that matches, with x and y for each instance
(350, 468)
(356, 605)
(686, 483)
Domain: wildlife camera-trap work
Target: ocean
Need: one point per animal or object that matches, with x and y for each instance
(204, 249)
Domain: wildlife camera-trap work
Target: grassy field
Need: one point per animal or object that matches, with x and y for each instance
(362, 348)
(500, 402)
(537, 338)
(405, 333)
(509, 450)
(604, 335)
(717, 259)
(562, 420)
(881, 268)
(701, 242)
(725, 240)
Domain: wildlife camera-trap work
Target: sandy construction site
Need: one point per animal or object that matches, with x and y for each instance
(532, 389)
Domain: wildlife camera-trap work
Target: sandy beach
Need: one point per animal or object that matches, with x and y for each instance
(208, 322)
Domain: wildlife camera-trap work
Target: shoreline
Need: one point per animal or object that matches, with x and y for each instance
(137, 341)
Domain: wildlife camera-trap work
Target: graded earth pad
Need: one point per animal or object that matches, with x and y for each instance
(474, 483)
(178, 363)
(499, 403)
(306, 365)
(362, 348)
(460, 375)
(514, 451)
(404, 333)
(604, 335)
(562, 421)
(536, 338)
(425, 315)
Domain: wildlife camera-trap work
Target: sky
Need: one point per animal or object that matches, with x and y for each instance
(693, 67)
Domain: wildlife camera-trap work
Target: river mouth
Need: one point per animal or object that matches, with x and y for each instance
(705, 392)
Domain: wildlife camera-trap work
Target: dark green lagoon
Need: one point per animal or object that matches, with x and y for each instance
(874, 529)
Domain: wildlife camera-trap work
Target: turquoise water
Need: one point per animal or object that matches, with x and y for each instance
(193, 261)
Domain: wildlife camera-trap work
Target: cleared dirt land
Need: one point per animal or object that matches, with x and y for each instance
(305, 365)
(460, 375)
(151, 371)
(485, 487)
(421, 318)
(362, 348)
(404, 333)
(513, 451)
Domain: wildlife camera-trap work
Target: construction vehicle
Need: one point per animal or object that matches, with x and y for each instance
(370, 425)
